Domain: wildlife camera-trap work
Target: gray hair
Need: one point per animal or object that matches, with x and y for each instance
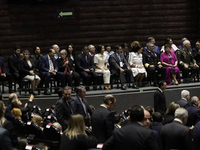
(27, 52)
(184, 93)
(54, 45)
(79, 89)
(194, 99)
(186, 42)
(180, 113)
(90, 46)
(149, 44)
(183, 39)
(63, 51)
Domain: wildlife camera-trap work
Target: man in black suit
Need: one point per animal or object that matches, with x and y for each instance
(85, 67)
(48, 69)
(176, 135)
(193, 111)
(196, 136)
(185, 97)
(5, 142)
(119, 65)
(13, 63)
(152, 64)
(63, 108)
(133, 135)
(157, 122)
(80, 104)
(103, 119)
(159, 98)
(4, 75)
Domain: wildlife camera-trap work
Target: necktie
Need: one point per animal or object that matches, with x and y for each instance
(51, 65)
(86, 58)
(84, 107)
(69, 105)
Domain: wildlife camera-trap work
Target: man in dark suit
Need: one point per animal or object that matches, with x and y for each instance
(5, 142)
(196, 136)
(80, 104)
(63, 108)
(13, 63)
(85, 66)
(103, 119)
(119, 65)
(185, 97)
(159, 98)
(152, 64)
(157, 122)
(193, 111)
(133, 135)
(48, 69)
(4, 75)
(125, 51)
(176, 135)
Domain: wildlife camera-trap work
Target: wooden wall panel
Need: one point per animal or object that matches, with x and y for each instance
(96, 22)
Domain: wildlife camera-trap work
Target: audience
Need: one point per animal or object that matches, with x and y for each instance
(172, 46)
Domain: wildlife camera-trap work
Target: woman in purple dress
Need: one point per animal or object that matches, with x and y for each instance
(170, 61)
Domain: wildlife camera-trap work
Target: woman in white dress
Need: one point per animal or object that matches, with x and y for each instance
(137, 67)
(100, 61)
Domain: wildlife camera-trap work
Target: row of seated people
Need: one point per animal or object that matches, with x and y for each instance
(66, 67)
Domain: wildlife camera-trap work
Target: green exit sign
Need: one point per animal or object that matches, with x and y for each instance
(65, 13)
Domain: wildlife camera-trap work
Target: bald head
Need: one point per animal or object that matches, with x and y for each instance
(146, 121)
(12, 96)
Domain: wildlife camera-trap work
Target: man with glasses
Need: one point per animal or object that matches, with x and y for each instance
(152, 64)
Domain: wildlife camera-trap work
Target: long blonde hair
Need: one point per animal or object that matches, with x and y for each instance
(76, 126)
(172, 108)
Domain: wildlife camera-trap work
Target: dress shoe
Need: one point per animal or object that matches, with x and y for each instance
(123, 87)
(47, 92)
(135, 87)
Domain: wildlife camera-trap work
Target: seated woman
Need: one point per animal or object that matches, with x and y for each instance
(74, 137)
(27, 71)
(173, 47)
(100, 61)
(16, 113)
(170, 61)
(137, 67)
(38, 119)
(71, 53)
(65, 65)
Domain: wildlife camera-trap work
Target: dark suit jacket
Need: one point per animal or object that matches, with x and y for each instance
(150, 58)
(63, 112)
(36, 61)
(196, 135)
(183, 103)
(3, 65)
(168, 119)
(157, 127)
(176, 136)
(193, 115)
(102, 124)
(13, 63)
(131, 136)
(159, 102)
(82, 64)
(196, 55)
(44, 64)
(115, 63)
(5, 142)
(25, 68)
(78, 107)
(60, 64)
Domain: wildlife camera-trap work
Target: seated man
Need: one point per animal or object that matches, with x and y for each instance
(85, 66)
(156, 48)
(186, 62)
(13, 63)
(119, 65)
(152, 63)
(196, 53)
(4, 75)
(48, 69)
(56, 48)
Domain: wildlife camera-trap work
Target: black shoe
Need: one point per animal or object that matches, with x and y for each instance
(123, 87)
(47, 92)
(135, 87)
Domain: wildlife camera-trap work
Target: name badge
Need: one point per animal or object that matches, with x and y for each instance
(121, 64)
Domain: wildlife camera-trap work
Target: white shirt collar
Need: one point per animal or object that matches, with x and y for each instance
(160, 90)
(178, 120)
(103, 106)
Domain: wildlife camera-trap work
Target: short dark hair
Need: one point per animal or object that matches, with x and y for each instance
(108, 99)
(67, 88)
(137, 48)
(136, 113)
(157, 117)
(124, 45)
(16, 47)
(99, 48)
(107, 45)
(60, 92)
(50, 50)
(79, 89)
(161, 83)
(85, 48)
(117, 47)
(34, 49)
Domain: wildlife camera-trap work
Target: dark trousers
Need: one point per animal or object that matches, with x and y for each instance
(89, 77)
(126, 76)
(154, 76)
(186, 71)
(46, 76)
(74, 76)
(9, 78)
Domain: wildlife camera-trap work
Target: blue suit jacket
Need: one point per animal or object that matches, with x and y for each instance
(82, 64)
(193, 115)
(44, 64)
